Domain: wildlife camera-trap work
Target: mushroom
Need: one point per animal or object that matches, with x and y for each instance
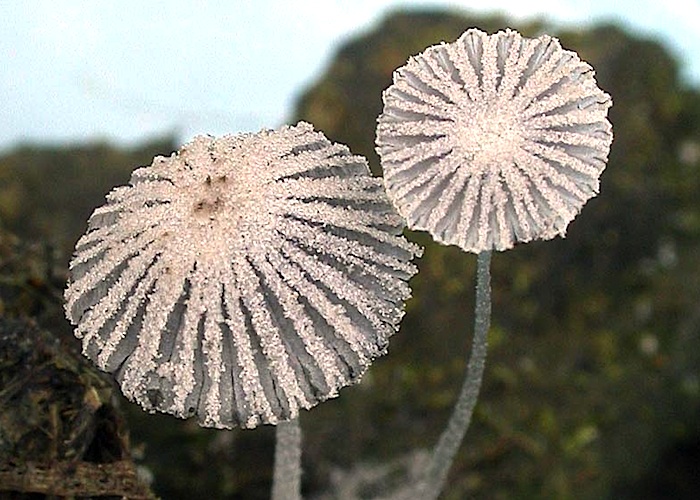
(493, 140)
(486, 142)
(241, 279)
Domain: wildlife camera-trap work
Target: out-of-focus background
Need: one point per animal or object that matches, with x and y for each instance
(592, 387)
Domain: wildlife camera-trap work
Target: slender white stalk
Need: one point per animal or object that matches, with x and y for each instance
(452, 436)
(286, 483)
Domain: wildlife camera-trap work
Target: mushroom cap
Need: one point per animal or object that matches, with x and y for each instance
(242, 278)
(493, 139)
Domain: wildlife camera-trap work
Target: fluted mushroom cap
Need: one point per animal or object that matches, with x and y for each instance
(493, 139)
(242, 278)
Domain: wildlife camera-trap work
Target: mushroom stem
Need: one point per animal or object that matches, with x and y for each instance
(286, 483)
(451, 438)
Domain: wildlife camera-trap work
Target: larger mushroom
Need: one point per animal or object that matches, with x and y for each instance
(242, 278)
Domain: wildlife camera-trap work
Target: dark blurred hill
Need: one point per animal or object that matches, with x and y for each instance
(594, 368)
(592, 388)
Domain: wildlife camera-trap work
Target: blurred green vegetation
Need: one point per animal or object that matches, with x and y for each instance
(592, 387)
(47, 193)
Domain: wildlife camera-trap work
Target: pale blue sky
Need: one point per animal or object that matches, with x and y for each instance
(130, 70)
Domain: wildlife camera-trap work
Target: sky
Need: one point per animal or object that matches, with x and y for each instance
(129, 71)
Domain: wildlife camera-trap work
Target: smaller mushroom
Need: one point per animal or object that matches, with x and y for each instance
(486, 142)
(493, 139)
